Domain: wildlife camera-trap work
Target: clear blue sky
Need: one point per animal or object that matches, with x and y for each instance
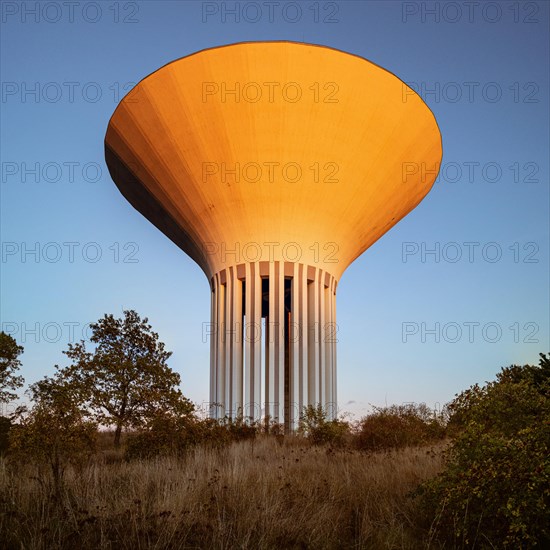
(482, 69)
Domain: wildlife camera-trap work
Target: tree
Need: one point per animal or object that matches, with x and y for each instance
(9, 365)
(494, 491)
(55, 431)
(125, 379)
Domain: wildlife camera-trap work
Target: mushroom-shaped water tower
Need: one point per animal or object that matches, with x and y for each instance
(273, 165)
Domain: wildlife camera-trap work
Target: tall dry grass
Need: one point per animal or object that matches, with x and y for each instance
(252, 494)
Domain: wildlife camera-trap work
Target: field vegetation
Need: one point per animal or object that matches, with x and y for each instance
(109, 454)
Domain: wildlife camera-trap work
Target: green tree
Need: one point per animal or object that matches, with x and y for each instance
(9, 365)
(495, 489)
(125, 380)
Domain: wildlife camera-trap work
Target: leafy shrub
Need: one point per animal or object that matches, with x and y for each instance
(495, 490)
(164, 434)
(319, 430)
(167, 434)
(399, 426)
(54, 434)
(240, 429)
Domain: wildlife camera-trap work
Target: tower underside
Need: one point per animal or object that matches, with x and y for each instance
(273, 341)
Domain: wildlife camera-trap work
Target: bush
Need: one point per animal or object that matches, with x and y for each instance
(495, 489)
(53, 436)
(399, 426)
(167, 434)
(164, 434)
(239, 429)
(315, 426)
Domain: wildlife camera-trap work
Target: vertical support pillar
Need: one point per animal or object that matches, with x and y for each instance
(280, 320)
(220, 358)
(249, 334)
(257, 342)
(313, 344)
(335, 340)
(229, 334)
(321, 340)
(252, 342)
(303, 338)
(294, 343)
(271, 365)
(328, 338)
(237, 337)
(214, 328)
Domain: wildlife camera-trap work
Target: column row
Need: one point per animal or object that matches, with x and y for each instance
(273, 343)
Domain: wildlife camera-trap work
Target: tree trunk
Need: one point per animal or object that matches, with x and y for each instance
(57, 472)
(120, 420)
(118, 431)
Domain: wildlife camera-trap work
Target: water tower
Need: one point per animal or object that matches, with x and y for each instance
(273, 165)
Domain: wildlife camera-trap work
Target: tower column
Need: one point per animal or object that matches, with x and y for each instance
(294, 334)
(228, 330)
(237, 351)
(220, 350)
(300, 347)
(214, 321)
(252, 341)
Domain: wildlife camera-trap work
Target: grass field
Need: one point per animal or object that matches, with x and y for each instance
(264, 493)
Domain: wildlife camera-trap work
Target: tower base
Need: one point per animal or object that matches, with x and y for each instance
(273, 342)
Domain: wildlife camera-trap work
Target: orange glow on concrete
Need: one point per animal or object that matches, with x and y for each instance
(370, 142)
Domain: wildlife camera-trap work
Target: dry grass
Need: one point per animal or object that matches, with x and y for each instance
(252, 494)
